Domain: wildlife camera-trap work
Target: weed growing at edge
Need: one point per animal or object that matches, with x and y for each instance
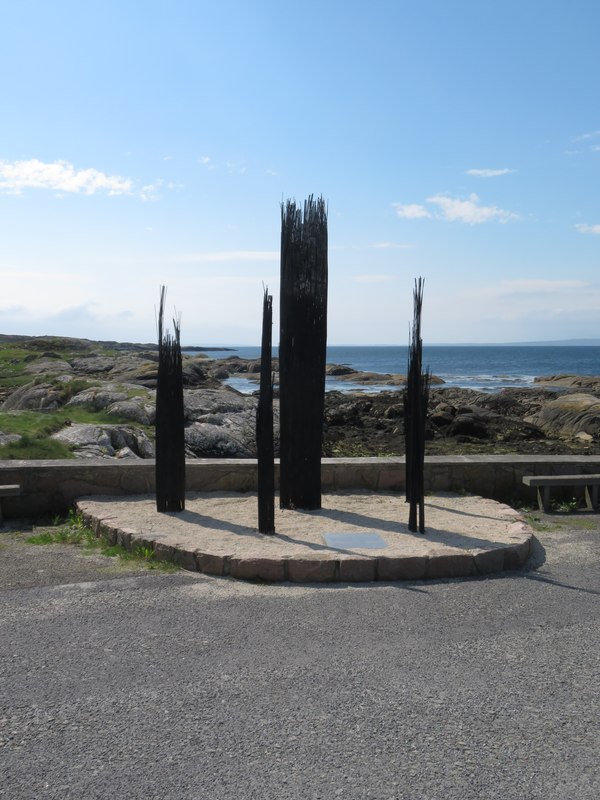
(73, 530)
(536, 523)
(565, 506)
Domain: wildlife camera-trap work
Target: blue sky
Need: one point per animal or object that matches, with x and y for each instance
(149, 143)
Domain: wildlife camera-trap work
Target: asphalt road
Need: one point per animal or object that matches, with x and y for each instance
(176, 686)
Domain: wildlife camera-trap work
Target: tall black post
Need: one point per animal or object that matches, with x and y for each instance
(416, 399)
(264, 425)
(302, 351)
(170, 437)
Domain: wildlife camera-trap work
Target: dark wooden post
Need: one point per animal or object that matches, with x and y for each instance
(264, 425)
(416, 399)
(170, 438)
(302, 351)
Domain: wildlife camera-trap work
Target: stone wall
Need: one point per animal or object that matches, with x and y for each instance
(50, 487)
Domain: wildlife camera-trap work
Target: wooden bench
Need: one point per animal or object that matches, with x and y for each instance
(543, 484)
(8, 491)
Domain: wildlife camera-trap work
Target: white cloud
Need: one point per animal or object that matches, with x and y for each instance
(489, 173)
(586, 136)
(469, 211)
(454, 209)
(235, 167)
(411, 211)
(588, 229)
(59, 176)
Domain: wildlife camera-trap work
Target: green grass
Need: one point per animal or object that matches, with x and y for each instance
(535, 522)
(73, 531)
(35, 449)
(557, 523)
(16, 355)
(36, 428)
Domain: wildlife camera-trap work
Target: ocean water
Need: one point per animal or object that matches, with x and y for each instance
(482, 367)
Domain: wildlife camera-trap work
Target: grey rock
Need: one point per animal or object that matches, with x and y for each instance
(135, 409)
(33, 397)
(9, 438)
(48, 366)
(569, 415)
(200, 402)
(204, 440)
(93, 365)
(105, 440)
(98, 398)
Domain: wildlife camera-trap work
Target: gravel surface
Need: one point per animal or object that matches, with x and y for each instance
(183, 686)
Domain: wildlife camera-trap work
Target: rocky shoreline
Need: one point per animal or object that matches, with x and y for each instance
(97, 399)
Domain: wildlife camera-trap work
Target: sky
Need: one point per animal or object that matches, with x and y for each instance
(152, 143)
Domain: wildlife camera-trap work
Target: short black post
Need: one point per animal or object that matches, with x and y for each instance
(170, 436)
(264, 425)
(416, 399)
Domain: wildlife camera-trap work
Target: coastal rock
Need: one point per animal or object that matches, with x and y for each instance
(136, 409)
(98, 398)
(92, 365)
(590, 382)
(34, 397)
(120, 400)
(335, 370)
(205, 440)
(105, 440)
(568, 416)
(223, 401)
(8, 438)
(48, 366)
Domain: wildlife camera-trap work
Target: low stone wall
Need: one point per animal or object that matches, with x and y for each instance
(50, 487)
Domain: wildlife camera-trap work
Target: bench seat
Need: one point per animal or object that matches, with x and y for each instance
(543, 484)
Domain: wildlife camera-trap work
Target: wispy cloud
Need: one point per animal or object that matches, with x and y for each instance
(207, 162)
(411, 211)
(489, 173)
(588, 228)
(584, 137)
(60, 176)
(235, 167)
(469, 211)
(221, 256)
(454, 209)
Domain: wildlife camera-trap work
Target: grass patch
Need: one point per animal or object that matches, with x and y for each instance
(536, 523)
(35, 449)
(357, 450)
(584, 524)
(17, 352)
(74, 531)
(36, 428)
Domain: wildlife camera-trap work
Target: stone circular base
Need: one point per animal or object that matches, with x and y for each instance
(355, 536)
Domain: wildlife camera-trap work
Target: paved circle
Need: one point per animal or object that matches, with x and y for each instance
(355, 536)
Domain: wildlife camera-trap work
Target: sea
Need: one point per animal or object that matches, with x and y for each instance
(486, 368)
